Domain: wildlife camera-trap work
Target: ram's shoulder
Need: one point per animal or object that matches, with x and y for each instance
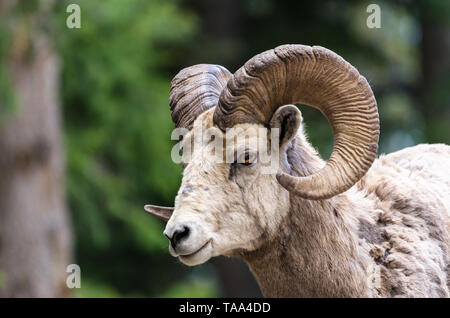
(413, 184)
(410, 190)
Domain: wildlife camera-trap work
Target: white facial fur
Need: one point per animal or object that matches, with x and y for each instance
(226, 207)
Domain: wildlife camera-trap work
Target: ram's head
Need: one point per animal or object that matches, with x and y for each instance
(230, 201)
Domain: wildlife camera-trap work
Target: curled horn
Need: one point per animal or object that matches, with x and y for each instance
(320, 78)
(194, 90)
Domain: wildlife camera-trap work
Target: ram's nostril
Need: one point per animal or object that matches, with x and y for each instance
(179, 235)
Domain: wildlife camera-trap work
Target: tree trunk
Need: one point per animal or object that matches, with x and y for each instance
(35, 237)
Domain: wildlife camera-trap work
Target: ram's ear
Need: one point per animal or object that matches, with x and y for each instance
(161, 212)
(288, 119)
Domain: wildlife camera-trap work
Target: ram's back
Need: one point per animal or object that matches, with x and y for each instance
(411, 191)
(428, 162)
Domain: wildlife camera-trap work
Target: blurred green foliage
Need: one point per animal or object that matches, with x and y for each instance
(7, 98)
(2, 279)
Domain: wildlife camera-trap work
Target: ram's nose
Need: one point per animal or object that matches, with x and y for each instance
(185, 236)
(177, 234)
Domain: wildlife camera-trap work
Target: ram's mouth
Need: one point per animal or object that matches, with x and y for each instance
(199, 256)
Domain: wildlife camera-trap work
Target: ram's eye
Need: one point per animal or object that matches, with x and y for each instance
(247, 159)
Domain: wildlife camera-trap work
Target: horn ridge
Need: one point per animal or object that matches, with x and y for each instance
(317, 77)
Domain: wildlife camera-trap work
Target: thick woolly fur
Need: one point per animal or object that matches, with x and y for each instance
(387, 236)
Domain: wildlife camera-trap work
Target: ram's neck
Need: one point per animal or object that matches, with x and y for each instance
(316, 252)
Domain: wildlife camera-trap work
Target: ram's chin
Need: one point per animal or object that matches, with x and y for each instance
(197, 258)
(193, 261)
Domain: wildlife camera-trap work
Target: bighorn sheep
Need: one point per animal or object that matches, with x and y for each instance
(354, 226)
